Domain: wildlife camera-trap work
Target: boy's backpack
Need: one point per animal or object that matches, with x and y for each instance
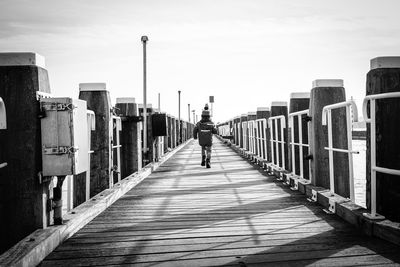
(205, 133)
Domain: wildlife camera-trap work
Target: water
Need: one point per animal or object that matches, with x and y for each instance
(359, 162)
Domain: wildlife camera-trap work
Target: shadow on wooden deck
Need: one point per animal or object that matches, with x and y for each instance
(231, 215)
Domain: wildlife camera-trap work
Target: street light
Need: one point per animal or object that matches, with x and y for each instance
(144, 41)
(189, 112)
(159, 108)
(179, 117)
(194, 121)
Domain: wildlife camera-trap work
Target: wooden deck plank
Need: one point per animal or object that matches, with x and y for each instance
(231, 214)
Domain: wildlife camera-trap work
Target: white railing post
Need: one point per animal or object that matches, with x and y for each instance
(372, 120)
(273, 121)
(3, 117)
(91, 122)
(3, 124)
(327, 112)
(261, 139)
(300, 143)
(117, 146)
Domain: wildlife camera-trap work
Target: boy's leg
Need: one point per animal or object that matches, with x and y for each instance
(203, 156)
(208, 150)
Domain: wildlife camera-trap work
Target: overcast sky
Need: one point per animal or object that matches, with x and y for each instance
(245, 53)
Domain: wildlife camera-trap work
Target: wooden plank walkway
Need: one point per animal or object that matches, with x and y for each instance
(231, 215)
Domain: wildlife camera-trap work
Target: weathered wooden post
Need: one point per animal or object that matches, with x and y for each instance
(98, 100)
(159, 131)
(166, 138)
(299, 102)
(236, 122)
(384, 77)
(280, 108)
(170, 137)
(265, 113)
(173, 132)
(178, 131)
(22, 197)
(131, 140)
(323, 93)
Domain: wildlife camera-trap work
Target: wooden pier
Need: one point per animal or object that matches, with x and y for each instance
(233, 214)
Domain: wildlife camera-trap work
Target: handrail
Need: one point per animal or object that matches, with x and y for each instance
(3, 124)
(327, 112)
(251, 136)
(372, 98)
(275, 139)
(374, 168)
(300, 143)
(91, 122)
(117, 145)
(3, 117)
(261, 138)
(244, 135)
(340, 105)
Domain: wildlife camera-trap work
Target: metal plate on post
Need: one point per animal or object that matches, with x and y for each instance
(313, 197)
(295, 186)
(64, 136)
(332, 207)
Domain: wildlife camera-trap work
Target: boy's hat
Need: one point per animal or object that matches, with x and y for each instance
(205, 111)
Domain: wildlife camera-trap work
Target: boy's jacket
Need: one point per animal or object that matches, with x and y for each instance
(204, 131)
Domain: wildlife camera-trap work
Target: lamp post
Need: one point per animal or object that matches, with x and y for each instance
(144, 41)
(189, 112)
(212, 102)
(159, 108)
(194, 121)
(179, 116)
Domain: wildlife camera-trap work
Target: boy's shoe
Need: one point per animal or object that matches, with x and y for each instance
(208, 163)
(203, 160)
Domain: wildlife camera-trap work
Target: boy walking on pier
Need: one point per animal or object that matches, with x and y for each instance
(204, 131)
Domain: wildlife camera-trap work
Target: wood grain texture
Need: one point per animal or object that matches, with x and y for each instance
(22, 197)
(100, 162)
(232, 215)
(387, 141)
(35, 247)
(320, 97)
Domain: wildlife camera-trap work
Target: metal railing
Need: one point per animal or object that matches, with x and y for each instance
(224, 130)
(275, 141)
(3, 123)
(251, 137)
(261, 138)
(301, 145)
(244, 136)
(327, 120)
(237, 134)
(116, 145)
(374, 169)
(91, 123)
